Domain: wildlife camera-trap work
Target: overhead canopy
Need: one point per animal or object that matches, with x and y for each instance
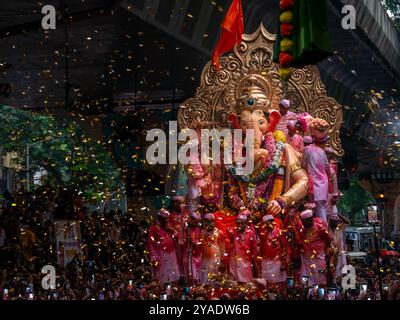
(150, 53)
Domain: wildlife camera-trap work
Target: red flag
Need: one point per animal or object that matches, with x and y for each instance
(231, 31)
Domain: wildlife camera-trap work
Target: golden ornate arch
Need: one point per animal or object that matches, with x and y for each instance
(218, 93)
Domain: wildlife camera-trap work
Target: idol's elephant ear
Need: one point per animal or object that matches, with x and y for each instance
(274, 118)
(233, 121)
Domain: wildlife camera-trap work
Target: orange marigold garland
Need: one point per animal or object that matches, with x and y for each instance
(243, 191)
(286, 45)
(278, 185)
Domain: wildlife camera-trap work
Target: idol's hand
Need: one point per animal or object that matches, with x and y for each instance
(274, 208)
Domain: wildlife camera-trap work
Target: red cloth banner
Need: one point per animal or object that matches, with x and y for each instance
(231, 31)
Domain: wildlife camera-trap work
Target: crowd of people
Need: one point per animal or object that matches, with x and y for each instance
(111, 264)
(225, 243)
(117, 252)
(245, 256)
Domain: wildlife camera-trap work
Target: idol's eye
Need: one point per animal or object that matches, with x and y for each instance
(250, 101)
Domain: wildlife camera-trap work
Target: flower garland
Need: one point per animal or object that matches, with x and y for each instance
(278, 185)
(286, 45)
(275, 164)
(279, 136)
(243, 192)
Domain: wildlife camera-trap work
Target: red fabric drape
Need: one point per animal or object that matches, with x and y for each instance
(231, 31)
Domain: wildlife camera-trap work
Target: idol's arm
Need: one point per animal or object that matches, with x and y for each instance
(299, 189)
(300, 177)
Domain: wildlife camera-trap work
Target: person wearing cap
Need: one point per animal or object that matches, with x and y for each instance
(334, 194)
(212, 248)
(272, 251)
(337, 229)
(316, 163)
(193, 248)
(303, 124)
(178, 218)
(295, 140)
(315, 243)
(244, 252)
(160, 245)
(286, 115)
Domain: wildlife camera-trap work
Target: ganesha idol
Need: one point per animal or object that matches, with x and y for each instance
(278, 180)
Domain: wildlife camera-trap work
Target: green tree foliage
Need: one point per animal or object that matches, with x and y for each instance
(354, 199)
(72, 158)
(393, 6)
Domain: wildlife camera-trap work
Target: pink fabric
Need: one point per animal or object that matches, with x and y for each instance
(163, 213)
(331, 208)
(306, 214)
(213, 249)
(285, 103)
(161, 249)
(315, 240)
(322, 210)
(305, 120)
(311, 266)
(179, 222)
(195, 252)
(196, 176)
(272, 243)
(339, 235)
(244, 252)
(194, 184)
(268, 143)
(316, 163)
(335, 188)
(314, 243)
(282, 124)
(271, 270)
(296, 142)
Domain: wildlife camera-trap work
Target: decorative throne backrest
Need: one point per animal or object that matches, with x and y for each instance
(219, 91)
